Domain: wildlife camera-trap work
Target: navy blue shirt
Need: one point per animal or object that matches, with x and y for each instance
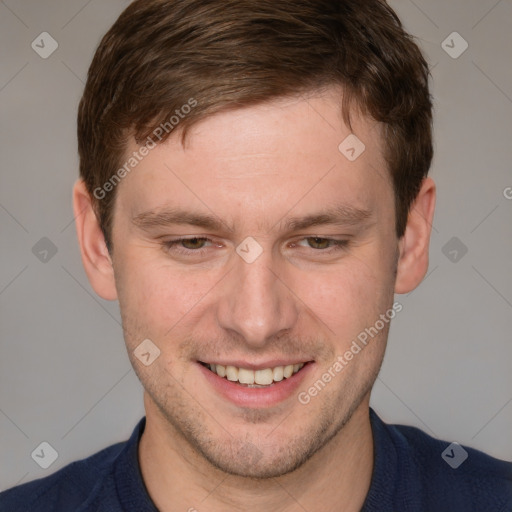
(413, 472)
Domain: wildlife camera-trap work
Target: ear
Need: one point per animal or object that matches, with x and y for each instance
(414, 244)
(95, 256)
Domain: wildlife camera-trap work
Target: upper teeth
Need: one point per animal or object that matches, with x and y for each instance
(261, 377)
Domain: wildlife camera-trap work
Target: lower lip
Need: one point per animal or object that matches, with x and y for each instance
(256, 397)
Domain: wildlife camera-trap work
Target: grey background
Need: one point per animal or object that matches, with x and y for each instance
(64, 375)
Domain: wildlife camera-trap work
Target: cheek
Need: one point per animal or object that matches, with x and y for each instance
(159, 296)
(348, 298)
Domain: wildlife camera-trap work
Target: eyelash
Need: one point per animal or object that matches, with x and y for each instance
(173, 245)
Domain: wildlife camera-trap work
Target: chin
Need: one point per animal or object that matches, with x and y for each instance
(249, 462)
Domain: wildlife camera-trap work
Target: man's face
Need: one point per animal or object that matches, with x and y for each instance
(304, 299)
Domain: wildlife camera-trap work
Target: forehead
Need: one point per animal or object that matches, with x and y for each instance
(263, 161)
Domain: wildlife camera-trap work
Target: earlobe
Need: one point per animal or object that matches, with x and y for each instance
(414, 245)
(95, 256)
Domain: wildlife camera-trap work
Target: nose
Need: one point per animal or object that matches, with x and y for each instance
(257, 302)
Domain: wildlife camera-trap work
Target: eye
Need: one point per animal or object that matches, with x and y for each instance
(198, 245)
(325, 244)
(187, 245)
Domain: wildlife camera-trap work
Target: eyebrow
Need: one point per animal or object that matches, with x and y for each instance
(339, 215)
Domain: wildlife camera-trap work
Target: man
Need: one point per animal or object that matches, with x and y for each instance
(254, 191)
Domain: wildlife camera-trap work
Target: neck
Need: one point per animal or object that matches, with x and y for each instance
(337, 477)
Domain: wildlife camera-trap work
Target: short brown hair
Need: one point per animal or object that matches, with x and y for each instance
(227, 54)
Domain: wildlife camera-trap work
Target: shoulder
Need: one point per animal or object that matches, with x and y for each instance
(450, 476)
(68, 488)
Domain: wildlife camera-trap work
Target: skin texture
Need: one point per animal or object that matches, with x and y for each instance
(252, 169)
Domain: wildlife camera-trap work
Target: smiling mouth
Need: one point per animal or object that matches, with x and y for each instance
(255, 378)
